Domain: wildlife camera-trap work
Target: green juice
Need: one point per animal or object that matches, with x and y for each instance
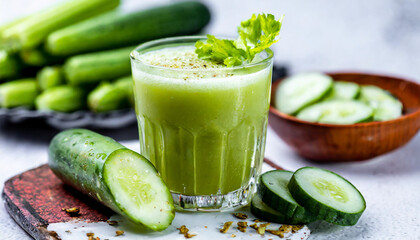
(201, 124)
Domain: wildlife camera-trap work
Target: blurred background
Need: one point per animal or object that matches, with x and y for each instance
(381, 36)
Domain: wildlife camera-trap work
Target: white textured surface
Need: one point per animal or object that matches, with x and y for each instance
(376, 36)
(205, 225)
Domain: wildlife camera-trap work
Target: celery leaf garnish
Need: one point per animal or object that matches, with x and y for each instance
(255, 35)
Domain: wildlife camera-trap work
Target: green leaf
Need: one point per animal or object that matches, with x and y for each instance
(220, 50)
(255, 35)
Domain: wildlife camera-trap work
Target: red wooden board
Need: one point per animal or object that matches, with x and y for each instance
(35, 199)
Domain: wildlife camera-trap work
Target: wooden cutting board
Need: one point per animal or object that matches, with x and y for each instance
(35, 199)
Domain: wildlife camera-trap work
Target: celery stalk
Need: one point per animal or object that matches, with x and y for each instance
(32, 31)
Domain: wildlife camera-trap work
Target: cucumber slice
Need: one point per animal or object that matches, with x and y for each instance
(343, 91)
(264, 212)
(387, 110)
(296, 92)
(138, 189)
(327, 195)
(274, 192)
(337, 112)
(386, 106)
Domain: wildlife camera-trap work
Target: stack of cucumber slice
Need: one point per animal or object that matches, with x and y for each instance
(307, 195)
(315, 97)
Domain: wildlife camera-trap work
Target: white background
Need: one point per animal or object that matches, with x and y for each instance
(381, 36)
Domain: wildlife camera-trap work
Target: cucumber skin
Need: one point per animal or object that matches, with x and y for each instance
(115, 30)
(107, 97)
(62, 98)
(269, 216)
(295, 214)
(323, 212)
(95, 67)
(77, 157)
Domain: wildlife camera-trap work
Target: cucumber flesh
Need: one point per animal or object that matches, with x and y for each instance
(265, 212)
(274, 192)
(138, 189)
(386, 106)
(343, 91)
(298, 91)
(327, 195)
(387, 110)
(337, 112)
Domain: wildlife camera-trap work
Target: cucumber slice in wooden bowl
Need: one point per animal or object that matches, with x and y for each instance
(274, 192)
(327, 195)
(296, 92)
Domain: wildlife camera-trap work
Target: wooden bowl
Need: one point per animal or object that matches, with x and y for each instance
(356, 142)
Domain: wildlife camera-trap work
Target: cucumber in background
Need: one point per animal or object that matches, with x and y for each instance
(343, 91)
(113, 30)
(18, 93)
(92, 68)
(296, 92)
(34, 29)
(127, 84)
(38, 57)
(107, 97)
(386, 107)
(61, 99)
(337, 112)
(49, 77)
(115, 176)
(9, 65)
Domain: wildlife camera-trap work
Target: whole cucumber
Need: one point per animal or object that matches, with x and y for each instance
(95, 67)
(127, 84)
(61, 99)
(113, 30)
(49, 77)
(107, 97)
(117, 177)
(18, 93)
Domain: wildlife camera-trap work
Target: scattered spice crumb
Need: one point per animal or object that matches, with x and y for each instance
(225, 227)
(242, 226)
(119, 232)
(97, 238)
(112, 223)
(73, 211)
(184, 230)
(296, 228)
(233, 235)
(205, 226)
(257, 220)
(68, 231)
(90, 234)
(240, 215)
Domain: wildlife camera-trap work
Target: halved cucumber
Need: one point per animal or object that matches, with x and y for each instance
(337, 112)
(327, 195)
(386, 106)
(298, 91)
(343, 91)
(264, 212)
(138, 190)
(274, 192)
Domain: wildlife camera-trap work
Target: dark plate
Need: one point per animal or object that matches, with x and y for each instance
(86, 119)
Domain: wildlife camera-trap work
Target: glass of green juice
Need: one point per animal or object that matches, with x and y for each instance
(202, 124)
